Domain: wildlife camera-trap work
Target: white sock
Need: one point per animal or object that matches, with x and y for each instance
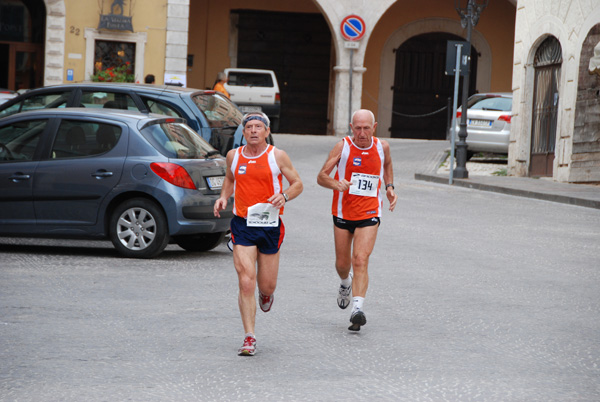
(347, 282)
(358, 303)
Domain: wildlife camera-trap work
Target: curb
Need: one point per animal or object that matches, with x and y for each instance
(577, 201)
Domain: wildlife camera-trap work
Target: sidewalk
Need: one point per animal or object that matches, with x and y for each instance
(481, 178)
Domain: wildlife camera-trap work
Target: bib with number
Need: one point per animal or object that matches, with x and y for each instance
(364, 185)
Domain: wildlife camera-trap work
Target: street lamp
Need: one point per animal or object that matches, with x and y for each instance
(469, 17)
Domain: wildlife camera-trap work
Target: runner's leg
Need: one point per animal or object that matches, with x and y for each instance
(244, 260)
(343, 251)
(268, 269)
(364, 241)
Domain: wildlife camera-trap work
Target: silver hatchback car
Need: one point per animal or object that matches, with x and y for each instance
(488, 123)
(140, 180)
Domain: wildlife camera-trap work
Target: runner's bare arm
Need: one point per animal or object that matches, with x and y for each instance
(291, 175)
(227, 188)
(388, 175)
(324, 179)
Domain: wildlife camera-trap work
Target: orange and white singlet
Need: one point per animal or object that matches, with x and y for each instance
(256, 179)
(364, 168)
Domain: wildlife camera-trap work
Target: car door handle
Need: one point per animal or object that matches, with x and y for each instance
(101, 174)
(19, 177)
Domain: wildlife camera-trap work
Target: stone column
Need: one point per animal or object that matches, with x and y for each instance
(177, 37)
(55, 42)
(335, 11)
(342, 90)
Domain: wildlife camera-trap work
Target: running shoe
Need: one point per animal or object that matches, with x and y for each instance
(265, 302)
(249, 347)
(345, 295)
(357, 319)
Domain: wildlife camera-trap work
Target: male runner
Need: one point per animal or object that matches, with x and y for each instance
(364, 169)
(254, 177)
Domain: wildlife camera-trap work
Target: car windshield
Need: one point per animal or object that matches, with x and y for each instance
(497, 103)
(177, 141)
(219, 111)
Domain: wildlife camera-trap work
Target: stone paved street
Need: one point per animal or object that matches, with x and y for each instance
(473, 296)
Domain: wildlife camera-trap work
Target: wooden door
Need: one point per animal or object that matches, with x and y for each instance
(422, 89)
(547, 64)
(297, 46)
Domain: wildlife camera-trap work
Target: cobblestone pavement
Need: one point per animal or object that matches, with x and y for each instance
(473, 296)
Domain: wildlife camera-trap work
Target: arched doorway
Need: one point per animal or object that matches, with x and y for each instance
(547, 64)
(421, 88)
(22, 28)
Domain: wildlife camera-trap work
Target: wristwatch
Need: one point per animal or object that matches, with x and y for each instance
(285, 196)
(389, 185)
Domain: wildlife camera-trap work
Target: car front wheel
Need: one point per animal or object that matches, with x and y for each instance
(199, 242)
(138, 229)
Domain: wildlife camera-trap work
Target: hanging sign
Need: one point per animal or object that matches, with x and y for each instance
(117, 18)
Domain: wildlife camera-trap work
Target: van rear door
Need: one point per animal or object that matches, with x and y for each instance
(248, 88)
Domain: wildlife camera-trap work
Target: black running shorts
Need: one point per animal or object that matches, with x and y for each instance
(352, 225)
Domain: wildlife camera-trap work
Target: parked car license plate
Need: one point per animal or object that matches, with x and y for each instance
(481, 123)
(215, 182)
(251, 109)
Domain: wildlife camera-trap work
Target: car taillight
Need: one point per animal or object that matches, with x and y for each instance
(174, 174)
(458, 114)
(277, 97)
(505, 117)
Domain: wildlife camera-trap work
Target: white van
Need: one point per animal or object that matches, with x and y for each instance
(255, 90)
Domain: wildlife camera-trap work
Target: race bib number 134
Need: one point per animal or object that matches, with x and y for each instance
(364, 185)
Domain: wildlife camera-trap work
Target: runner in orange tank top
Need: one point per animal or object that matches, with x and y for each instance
(254, 178)
(363, 171)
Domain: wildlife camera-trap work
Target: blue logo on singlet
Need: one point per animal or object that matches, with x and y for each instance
(357, 161)
(242, 169)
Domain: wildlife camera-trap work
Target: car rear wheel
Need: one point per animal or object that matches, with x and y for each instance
(138, 229)
(200, 242)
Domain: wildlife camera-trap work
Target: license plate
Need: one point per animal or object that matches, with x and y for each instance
(480, 123)
(215, 182)
(251, 109)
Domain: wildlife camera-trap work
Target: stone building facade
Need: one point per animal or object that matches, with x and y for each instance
(197, 39)
(573, 145)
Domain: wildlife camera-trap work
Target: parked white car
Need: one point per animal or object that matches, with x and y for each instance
(255, 90)
(488, 123)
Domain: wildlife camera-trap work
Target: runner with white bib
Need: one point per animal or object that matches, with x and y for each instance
(363, 167)
(254, 178)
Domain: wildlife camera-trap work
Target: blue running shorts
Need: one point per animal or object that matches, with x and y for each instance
(267, 239)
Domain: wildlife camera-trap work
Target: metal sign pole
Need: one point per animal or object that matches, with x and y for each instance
(454, 107)
(352, 29)
(350, 91)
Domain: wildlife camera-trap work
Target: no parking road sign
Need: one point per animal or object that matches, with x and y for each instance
(353, 28)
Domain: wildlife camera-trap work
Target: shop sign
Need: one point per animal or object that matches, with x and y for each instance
(116, 18)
